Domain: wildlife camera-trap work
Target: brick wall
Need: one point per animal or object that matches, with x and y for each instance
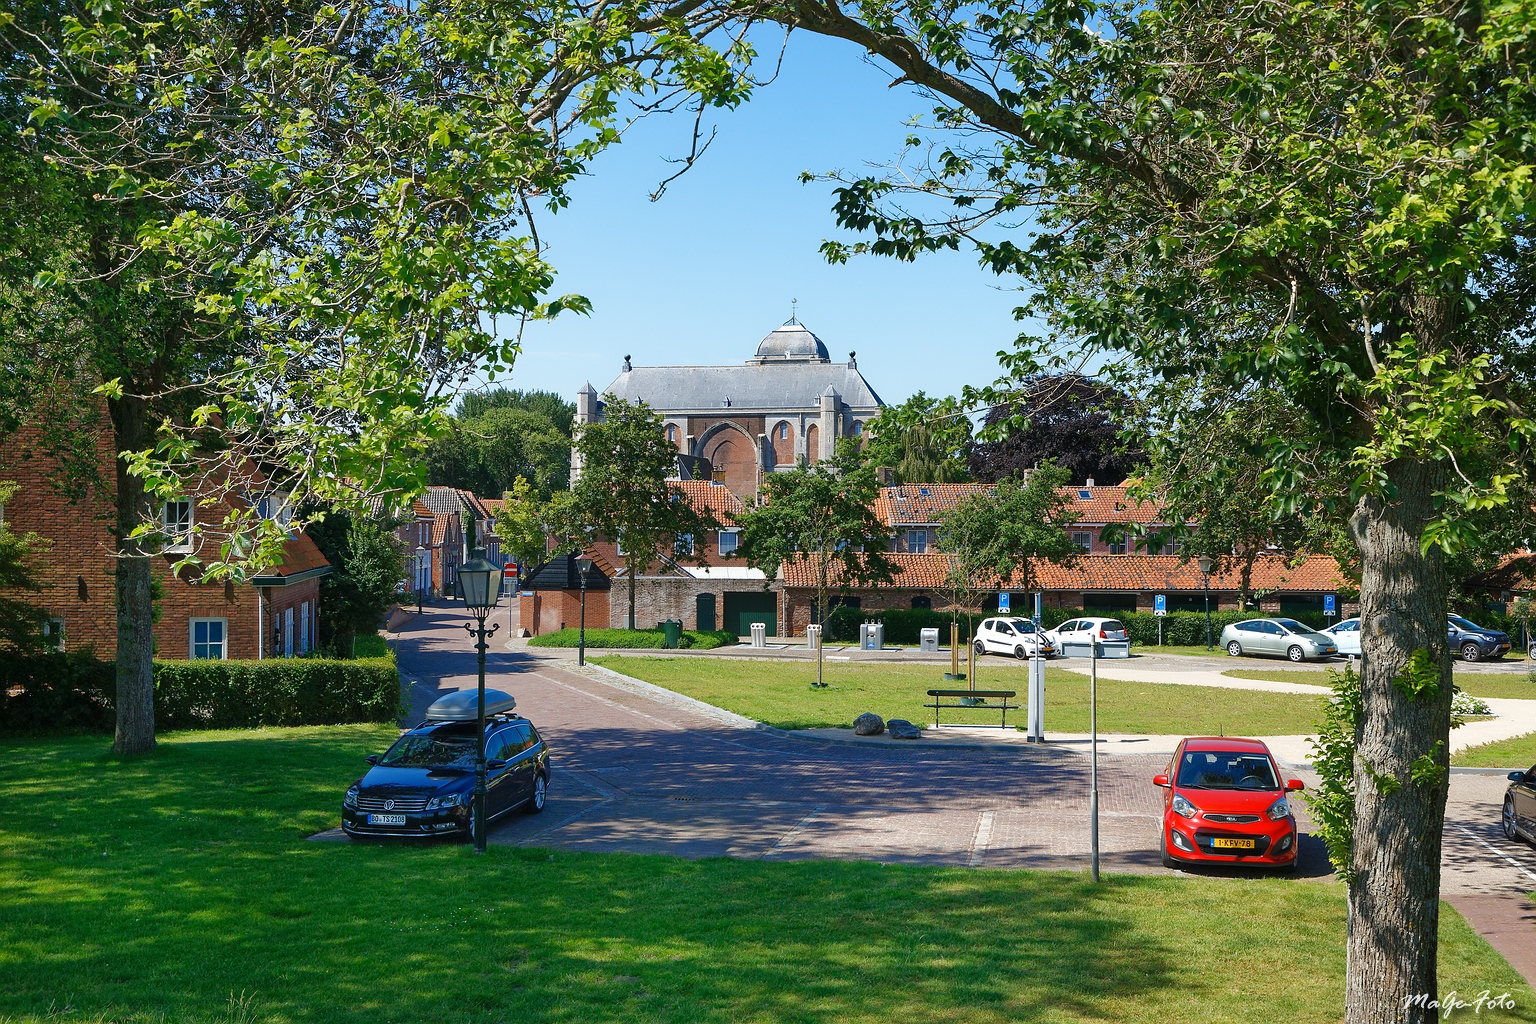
(548, 611)
(671, 597)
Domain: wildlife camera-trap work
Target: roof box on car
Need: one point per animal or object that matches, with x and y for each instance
(464, 706)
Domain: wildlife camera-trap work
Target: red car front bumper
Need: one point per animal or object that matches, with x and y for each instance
(1200, 840)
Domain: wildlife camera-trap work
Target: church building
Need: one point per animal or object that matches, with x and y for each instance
(788, 402)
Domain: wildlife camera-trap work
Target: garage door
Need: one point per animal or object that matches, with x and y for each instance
(743, 609)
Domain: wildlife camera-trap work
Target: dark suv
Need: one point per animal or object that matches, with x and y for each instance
(1473, 642)
(424, 784)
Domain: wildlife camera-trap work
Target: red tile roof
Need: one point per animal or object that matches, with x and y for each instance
(300, 555)
(1111, 572)
(924, 504)
(718, 498)
(1111, 505)
(441, 524)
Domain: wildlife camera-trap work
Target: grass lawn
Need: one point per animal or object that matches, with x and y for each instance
(1198, 649)
(180, 887)
(1518, 752)
(779, 694)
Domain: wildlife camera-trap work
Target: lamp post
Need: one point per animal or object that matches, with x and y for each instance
(584, 566)
(421, 557)
(1205, 569)
(480, 595)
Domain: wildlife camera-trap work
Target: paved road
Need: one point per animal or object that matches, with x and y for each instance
(644, 772)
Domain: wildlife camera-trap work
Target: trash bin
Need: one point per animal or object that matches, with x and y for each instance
(759, 634)
(872, 636)
(928, 640)
(813, 636)
(672, 629)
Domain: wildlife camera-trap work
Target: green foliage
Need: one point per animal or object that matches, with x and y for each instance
(58, 692)
(368, 564)
(925, 440)
(370, 645)
(1084, 425)
(1430, 769)
(561, 413)
(823, 513)
(636, 638)
(1420, 678)
(21, 622)
(1332, 803)
(994, 536)
(488, 453)
(524, 524)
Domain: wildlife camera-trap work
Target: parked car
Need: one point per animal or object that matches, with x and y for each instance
(424, 784)
(1086, 630)
(1466, 638)
(1224, 802)
(1520, 805)
(1473, 642)
(1346, 636)
(1017, 637)
(1285, 637)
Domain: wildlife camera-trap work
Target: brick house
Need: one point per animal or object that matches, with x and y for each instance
(274, 614)
(1098, 583)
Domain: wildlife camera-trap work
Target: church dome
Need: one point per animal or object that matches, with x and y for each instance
(792, 343)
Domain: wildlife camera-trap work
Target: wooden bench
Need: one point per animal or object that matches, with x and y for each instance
(1004, 707)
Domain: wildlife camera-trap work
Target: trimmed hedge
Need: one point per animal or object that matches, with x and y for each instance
(635, 638)
(902, 625)
(71, 693)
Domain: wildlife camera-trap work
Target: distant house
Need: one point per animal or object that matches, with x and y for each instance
(273, 614)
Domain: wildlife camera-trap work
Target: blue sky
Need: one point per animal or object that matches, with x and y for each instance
(700, 276)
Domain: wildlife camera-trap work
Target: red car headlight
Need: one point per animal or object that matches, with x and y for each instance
(1278, 810)
(1183, 808)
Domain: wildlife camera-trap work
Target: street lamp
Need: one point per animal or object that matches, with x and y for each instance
(584, 566)
(421, 557)
(1205, 569)
(480, 595)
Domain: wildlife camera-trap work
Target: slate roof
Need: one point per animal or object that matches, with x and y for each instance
(443, 500)
(1318, 574)
(754, 387)
(792, 342)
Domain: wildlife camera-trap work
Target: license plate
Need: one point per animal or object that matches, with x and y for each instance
(1232, 844)
(386, 819)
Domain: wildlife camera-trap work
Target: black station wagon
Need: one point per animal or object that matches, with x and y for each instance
(424, 784)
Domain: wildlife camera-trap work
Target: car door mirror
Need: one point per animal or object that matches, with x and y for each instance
(1517, 776)
(1294, 784)
(372, 759)
(495, 764)
(1160, 780)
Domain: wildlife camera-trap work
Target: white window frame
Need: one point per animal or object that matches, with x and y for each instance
(917, 542)
(1083, 540)
(223, 643)
(288, 632)
(1118, 547)
(53, 633)
(303, 627)
(735, 536)
(178, 535)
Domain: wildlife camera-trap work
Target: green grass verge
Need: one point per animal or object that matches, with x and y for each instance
(180, 887)
(1517, 752)
(369, 645)
(634, 638)
(1479, 684)
(779, 694)
(1199, 649)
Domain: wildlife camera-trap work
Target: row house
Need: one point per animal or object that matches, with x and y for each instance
(1102, 583)
(1108, 522)
(274, 613)
(700, 582)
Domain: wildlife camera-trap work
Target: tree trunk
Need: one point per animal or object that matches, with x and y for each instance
(1394, 897)
(135, 603)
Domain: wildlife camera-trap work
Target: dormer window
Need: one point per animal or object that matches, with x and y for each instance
(924, 491)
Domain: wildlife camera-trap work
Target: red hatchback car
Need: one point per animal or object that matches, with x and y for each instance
(1225, 803)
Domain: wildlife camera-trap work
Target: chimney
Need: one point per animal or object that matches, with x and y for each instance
(627, 367)
(1090, 482)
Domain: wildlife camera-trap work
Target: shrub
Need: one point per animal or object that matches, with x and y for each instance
(63, 693)
(369, 645)
(648, 638)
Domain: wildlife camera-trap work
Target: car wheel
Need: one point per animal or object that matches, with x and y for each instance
(1471, 652)
(1162, 850)
(1235, 649)
(1296, 653)
(1511, 829)
(535, 803)
(1020, 653)
(980, 648)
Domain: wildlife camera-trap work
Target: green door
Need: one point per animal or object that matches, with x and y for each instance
(746, 607)
(704, 612)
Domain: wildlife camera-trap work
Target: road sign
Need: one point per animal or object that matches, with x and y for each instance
(1160, 604)
(1328, 606)
(1002, 603)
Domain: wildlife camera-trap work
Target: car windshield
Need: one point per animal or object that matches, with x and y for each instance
(1023, 625)
(1297, 627)
(439, 749)
(1226, 769)
(1462, 623)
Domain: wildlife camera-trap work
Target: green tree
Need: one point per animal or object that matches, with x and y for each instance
(623, 492)
(21, 622)
(925, 440)
(1331, 200)
(368, 565)
(824, 513)
(285, 239)
(490, 452)
(562, 413)
(525, 524)
(998, 535)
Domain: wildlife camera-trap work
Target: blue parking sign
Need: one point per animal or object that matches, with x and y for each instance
(1002, 602)
(1328, 605)
(1160, 604)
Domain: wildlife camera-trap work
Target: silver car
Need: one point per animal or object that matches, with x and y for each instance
(1285, 637)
